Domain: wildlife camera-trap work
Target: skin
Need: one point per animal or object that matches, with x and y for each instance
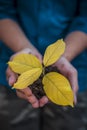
(76, 42)
(11, 32)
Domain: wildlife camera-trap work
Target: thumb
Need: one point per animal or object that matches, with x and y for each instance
(11, 76)
(39, 56)
(74, 83)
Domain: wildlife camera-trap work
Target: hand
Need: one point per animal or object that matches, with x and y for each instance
(69, 72)
(26, 93)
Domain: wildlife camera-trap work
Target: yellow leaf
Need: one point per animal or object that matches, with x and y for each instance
(58, 89)
(27, 78)
(53, 52)
(24, 62)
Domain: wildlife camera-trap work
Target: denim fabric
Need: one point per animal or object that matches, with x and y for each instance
(80, 64)
(43, 22)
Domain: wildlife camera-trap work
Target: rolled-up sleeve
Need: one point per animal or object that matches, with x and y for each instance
(80, 21)
(7, 9)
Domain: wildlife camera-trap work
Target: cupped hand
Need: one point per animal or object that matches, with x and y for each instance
(25, 93)
(65, 68)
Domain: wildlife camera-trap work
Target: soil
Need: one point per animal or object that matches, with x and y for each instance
(37, 86)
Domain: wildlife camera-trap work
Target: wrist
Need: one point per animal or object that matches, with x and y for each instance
(60, 62)
(25, 50)
(68, 57)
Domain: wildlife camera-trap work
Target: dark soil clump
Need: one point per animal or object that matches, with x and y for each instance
(37, 86)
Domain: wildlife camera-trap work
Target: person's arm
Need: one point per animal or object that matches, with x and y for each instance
(9, 39)
(10, 32)
(21, 43)
(76, 42)
(13, 36)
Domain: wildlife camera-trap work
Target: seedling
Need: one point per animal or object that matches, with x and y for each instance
(56, 87)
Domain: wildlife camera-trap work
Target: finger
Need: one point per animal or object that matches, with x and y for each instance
(11, 76)
(39, 57)
(27, 91)
(74, 81)
(33, 100)
(73, 78)
(30, 97)
(44, 100)
(29, 51)
(20, 95)
(75, 99)
(26, 51)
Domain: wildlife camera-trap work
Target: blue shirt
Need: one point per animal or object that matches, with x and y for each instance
(43, 22)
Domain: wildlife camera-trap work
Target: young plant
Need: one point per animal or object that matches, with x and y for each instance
(29, 68)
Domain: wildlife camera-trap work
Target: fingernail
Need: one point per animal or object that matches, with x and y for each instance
(10, 81)
(75, 99)
(46, 100)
